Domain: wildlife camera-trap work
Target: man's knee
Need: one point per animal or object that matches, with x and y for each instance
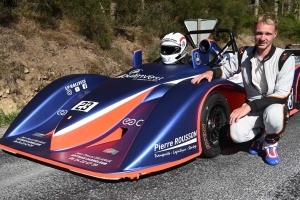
(240, 135)
(275, 118)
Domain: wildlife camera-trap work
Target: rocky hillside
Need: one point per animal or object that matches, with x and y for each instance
(31, 58)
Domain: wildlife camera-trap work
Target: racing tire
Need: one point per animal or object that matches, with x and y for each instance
(214, 117)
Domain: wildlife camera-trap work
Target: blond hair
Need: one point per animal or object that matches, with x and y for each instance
(267, 18)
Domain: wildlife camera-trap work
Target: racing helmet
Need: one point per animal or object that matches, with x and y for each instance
(173, 47)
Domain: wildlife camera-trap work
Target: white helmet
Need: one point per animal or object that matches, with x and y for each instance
(173, 47)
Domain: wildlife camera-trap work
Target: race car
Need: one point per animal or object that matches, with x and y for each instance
(148, 119)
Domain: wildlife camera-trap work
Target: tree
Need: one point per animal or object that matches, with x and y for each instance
(276, 7)
(297, 8)
(256, 7)
(10, 3)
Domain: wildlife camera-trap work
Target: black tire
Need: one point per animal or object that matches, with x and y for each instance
(214, 117)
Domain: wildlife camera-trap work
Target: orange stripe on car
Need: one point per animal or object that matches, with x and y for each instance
(50, 133)
(116, 135)
(86, 131)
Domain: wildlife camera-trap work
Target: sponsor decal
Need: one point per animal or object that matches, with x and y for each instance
(183, 44)
(136, 75)
(205, 136)
(90, 160)
(161, 155)
(61, 112)
(130, 122)
(169, 40)
(38, 134)
(111, 151)
(69, 92)
(290, 100)
(241, 50)
(135, 71)
(76, 86)
(85, 106)
(29, 142)
(197, 58)
(177, 146)
(77, 89)
(284, 57)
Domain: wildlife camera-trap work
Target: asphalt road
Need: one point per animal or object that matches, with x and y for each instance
(233, 175)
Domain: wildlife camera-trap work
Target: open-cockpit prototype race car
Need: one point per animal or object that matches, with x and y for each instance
(147, 119)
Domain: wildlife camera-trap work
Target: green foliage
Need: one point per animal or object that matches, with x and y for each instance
(289, 27)
(228, 12)
(154, 52)
(128, 12)
(8, 15)
(7, 119)
(94, 19)
(157, 18)
(46, 13)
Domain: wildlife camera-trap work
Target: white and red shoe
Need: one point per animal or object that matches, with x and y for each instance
(272, 157)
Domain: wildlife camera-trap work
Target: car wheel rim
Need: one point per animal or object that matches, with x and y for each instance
(215, 120)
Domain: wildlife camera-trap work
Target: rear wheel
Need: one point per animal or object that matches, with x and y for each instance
(214, 117)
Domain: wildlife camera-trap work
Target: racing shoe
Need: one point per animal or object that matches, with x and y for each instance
(272, 157)
(256, 146)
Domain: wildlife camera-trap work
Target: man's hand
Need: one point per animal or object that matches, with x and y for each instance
(208, 75)
(238, 113)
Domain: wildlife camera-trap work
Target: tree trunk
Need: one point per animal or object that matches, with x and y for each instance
(143, 4)
(113, 7)
(276, 7)
(256, 7)
(288, 5)
(297, 9)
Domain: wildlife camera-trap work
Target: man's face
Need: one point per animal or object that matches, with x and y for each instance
(264, 35)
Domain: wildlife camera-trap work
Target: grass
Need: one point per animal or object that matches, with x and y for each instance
(154, 51)
(7, 119)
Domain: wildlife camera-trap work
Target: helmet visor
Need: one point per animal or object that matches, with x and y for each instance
(169, 50)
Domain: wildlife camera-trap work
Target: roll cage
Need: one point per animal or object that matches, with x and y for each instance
(215, 34)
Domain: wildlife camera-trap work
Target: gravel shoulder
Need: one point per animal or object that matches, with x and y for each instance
(2, 130)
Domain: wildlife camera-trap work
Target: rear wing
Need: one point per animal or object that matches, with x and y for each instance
(199, 24)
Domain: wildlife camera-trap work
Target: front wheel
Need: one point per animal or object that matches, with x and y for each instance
(214, 116)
